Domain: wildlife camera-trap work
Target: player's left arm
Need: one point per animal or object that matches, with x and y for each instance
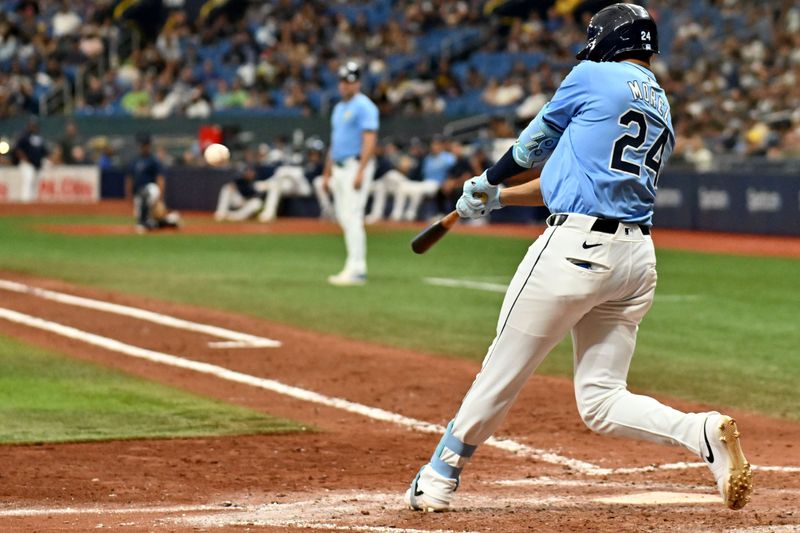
(369, 120)
(369, 139)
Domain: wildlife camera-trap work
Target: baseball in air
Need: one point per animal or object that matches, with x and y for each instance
(217, 155)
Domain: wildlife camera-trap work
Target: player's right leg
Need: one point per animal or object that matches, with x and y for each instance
(603, 342)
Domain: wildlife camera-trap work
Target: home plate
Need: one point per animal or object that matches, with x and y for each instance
(660, 498)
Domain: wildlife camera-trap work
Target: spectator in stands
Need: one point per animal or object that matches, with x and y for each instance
(137, 100)
(30, 152)
(91, 44)
(199, 106)
(535, 100)
(502, 94)
(287, 48)
(72, 152)
(65, 21)
(163, 106)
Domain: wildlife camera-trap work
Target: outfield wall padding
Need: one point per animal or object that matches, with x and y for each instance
(731, 202)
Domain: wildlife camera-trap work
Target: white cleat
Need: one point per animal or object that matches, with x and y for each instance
(437, 494)
(722, 452)
(346, 279)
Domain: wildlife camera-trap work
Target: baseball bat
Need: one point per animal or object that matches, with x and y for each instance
(433, 233)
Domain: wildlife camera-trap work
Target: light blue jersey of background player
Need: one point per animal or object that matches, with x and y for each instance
(616, 134)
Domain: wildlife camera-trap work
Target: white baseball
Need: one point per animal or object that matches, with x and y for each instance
(217, 155)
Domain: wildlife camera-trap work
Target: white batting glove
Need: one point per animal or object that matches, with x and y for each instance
(479, 198)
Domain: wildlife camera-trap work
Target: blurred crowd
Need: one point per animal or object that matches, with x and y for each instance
(730, 67)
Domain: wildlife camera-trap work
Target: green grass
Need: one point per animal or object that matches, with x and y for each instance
(45, 397)
(732, 342)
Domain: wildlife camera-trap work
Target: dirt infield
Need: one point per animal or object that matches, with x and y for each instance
(201, 223)
(351, 472)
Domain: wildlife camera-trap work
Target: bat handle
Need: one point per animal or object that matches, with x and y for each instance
(450, 219)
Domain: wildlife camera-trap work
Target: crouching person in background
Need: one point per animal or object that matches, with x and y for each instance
(145, 185)
(241, 198)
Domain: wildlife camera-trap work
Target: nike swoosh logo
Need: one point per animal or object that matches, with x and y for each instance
(587, 246)
(418, 493)
(710, 457)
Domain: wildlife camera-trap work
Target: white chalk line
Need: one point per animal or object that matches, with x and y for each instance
(501, 288)
(238, 339)
(65, 511)
(280, 388)
(338, 403)
(467, 284)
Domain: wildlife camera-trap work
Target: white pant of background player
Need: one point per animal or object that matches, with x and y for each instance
(288, 180)
(387, 185)
(349, 204)
(597, 285)
(30, 182)
(409, 197)
(231, 205)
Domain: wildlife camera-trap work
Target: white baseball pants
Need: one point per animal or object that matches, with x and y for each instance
(288, 180)
(30, 182)
(389, 183)
(599, 286)
(349, 204)
(144, 201)
(231, 205)
(409, 197)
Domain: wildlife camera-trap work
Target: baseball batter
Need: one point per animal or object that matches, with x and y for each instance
(349, 169)
(602, 140)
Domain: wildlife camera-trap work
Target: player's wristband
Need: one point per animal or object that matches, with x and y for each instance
(505, 168)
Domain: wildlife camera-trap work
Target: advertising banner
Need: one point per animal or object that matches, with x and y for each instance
(56, 184)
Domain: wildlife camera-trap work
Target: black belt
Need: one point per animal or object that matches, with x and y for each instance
(603, 225)
(341, 162)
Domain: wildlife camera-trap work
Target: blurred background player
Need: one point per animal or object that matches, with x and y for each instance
(386, 182)
(293, 180)
(146, 185)
(349, 169)
(241, 198)
(29, 154)
(435, 169)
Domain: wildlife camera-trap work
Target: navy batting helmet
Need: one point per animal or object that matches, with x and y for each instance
(617, 29)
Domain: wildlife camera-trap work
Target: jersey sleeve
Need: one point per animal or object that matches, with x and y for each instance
(569, 98)
(369, 116)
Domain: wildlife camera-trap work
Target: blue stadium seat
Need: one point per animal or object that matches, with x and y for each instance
(492, 65)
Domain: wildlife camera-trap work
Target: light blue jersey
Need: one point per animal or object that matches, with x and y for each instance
(616, 135)
(350, 119)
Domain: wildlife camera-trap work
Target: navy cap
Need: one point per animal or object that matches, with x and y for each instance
(350, 72)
